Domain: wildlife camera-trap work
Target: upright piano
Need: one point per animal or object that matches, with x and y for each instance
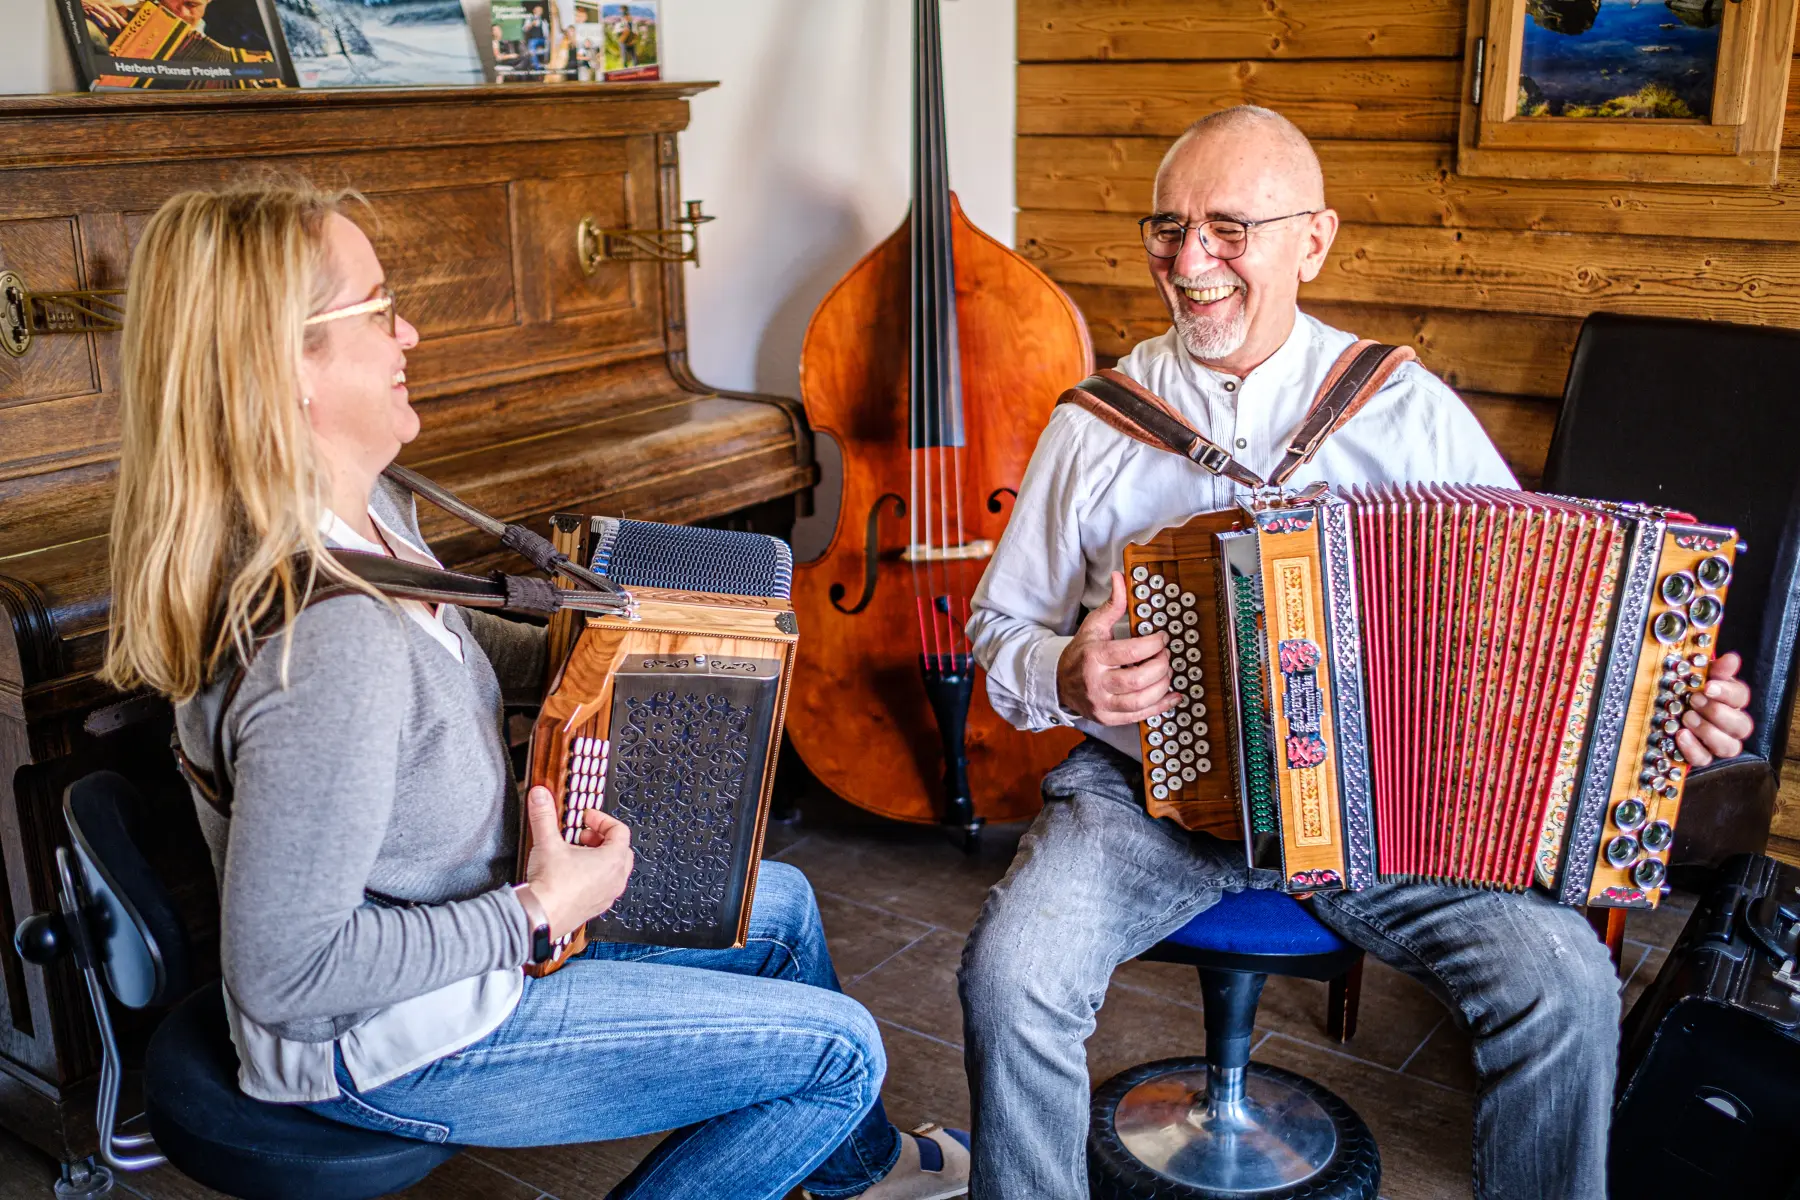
(551, 376)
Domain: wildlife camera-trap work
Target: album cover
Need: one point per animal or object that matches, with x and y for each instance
(630, 50)
(365, 43)
(547, 41)
(180, 45)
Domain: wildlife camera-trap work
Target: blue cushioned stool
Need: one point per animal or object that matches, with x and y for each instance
(1222, 1127)
(118, 924)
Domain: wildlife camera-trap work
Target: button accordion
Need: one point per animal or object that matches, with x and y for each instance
(1460, 685)
(670, 719)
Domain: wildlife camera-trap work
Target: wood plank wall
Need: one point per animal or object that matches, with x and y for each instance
(1489, 279)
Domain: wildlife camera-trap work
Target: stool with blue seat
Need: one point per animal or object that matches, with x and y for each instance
(120, 926)
(1223, 1127)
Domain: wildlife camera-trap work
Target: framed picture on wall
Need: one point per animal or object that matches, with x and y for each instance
(1654, 91)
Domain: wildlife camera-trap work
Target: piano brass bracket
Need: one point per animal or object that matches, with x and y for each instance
(594, 245)
(24, 313)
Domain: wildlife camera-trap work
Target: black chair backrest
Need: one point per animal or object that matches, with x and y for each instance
(1698, 416)
(140, 946)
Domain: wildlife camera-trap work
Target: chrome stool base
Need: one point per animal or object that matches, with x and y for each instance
(1224, 1131)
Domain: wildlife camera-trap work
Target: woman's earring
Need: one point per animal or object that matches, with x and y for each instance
(306, 402)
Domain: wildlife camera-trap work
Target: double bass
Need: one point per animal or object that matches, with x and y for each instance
(936, 416)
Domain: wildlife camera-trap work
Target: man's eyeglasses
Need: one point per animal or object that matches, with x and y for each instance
(382, 305)
(1223, 239)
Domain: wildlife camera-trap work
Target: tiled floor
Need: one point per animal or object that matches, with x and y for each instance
(897, 902)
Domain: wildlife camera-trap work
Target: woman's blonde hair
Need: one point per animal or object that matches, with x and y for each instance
(218, 488)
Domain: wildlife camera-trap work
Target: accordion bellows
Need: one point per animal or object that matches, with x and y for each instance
(670, 720)
(1453, 684)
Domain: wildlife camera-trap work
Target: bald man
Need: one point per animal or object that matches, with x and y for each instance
(1240, 223)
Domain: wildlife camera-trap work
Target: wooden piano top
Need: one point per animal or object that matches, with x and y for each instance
(540, 388)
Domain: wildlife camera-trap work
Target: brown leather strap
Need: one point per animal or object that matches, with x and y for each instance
(1360, 372)
(1142, 415)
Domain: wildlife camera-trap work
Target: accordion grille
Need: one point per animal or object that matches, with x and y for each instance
(689, 558)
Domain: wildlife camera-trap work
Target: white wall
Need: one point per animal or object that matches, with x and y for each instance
(802, 152)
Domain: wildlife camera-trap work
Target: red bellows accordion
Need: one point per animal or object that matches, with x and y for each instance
(1453, 684)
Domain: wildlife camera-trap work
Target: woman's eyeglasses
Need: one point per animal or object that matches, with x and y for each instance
(382, 305)
(1224, 239)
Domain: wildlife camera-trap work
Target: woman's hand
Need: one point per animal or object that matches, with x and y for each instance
(575, 883)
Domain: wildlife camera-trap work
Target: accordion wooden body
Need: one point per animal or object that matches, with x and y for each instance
(1461, 685)
(670, 720)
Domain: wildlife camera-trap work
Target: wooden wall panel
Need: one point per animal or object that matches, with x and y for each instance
(1514, 271)
(1413, 183)
(1488, 278)
(1391, 98)
(1072, 30)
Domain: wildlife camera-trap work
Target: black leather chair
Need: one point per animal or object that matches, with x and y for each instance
(1698, 416)
(117, 922)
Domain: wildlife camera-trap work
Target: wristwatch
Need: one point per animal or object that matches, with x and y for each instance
(541, 949)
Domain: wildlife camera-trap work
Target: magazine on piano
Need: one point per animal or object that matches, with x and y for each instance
(573, 41)
(369, 43)
(179, 45)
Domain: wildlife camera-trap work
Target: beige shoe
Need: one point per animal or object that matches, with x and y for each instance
(933, 1165)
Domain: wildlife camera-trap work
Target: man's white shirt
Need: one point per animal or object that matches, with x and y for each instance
(1090, 489)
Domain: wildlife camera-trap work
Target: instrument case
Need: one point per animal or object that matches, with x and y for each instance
(1710, 1070)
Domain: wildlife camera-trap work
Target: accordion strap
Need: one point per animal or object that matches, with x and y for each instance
(518, 594)
(1359, 372)
(1140, 414)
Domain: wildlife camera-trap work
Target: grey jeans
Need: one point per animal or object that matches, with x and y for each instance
(1097, 881)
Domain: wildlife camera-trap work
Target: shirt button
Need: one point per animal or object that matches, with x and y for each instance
(1242, 443)
(1231, 385)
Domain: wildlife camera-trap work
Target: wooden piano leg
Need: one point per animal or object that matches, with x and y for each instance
(1341, 1002)
(1609, 927)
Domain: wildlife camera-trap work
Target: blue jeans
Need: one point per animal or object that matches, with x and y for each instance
(770, 1075)
(1096, 882)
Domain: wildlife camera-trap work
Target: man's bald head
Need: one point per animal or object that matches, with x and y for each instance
(1267, 135)
(1246, 186)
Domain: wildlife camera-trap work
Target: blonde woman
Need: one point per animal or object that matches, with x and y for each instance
(371, 944)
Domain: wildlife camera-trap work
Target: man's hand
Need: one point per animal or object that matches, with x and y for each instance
(1115, 682)
(575, 883)
(1717, 724)
(111, 18)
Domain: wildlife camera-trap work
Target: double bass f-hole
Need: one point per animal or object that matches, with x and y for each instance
(993, 500)
(871, 556)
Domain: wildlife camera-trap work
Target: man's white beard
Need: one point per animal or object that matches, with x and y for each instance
(1211, 338)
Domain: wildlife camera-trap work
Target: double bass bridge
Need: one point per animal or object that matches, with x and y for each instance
(972, 551)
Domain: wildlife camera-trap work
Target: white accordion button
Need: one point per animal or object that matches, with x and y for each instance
(1159, 791)
(1189, 774)
(1157, 601)
(1185, 737)
(1156, 581)
(1200, 747)
(1144, 627)
(1198, 708)
(1159, 619)
(1179, 683)
(1154, 720)
(1156, 757)
(1142, 610)
(1187, 756)
(1157, 775)
(1203, 766)
(1141, 591)
(1171, 590)
(1154, 738)
(1199, 728)
(1188, 599)
(1140, 573)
